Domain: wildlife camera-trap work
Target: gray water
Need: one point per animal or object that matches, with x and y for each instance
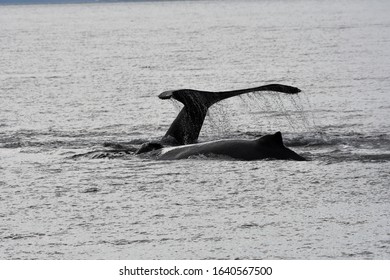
(73, 77)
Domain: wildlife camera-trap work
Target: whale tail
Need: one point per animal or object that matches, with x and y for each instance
(186, 127)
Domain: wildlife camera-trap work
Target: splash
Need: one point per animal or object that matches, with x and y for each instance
(285, 109)
(261, 112)
(218, 120)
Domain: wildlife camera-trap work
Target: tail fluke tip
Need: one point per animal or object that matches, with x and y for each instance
(166, 94)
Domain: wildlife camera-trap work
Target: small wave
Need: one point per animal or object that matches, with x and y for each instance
(363, 254)
(66, 139)
(255, 225)
(122, 242)
(211, 157)
(311, 141)
(91, 190)
(374, 158)
(347, 156)
(104, 154)
(12, 145)
(352, 139)
(23, 236)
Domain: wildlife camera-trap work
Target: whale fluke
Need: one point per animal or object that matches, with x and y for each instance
(186, 127)
(214, 97)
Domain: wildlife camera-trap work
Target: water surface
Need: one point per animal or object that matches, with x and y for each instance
(73, 77)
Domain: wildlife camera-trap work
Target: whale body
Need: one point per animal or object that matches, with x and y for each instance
(266, 147)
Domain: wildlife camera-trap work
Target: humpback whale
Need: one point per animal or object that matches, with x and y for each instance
(180, 141)
(266, 147)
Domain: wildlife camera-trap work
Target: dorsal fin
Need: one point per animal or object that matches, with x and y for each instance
(278, 140)
(272, 139)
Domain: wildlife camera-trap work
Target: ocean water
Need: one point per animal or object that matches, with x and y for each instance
(76, 76)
